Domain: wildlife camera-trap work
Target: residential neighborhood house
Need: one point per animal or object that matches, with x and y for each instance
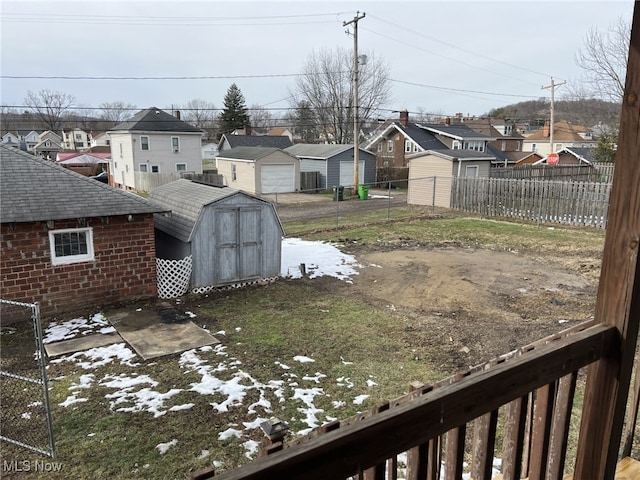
(69, 241)
(75, 139)
(564, 135)
(153, 141)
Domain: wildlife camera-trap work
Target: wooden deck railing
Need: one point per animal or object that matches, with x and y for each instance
(534, 384)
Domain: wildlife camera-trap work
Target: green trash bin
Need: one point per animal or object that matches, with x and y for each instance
(363, 192)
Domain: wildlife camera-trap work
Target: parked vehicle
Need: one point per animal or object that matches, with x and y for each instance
(101, 177)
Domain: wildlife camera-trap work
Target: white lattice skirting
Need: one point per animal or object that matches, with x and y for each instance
(173, 276)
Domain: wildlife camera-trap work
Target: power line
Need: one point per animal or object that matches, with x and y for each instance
(202, 77)
(477, 54)
(449, 89)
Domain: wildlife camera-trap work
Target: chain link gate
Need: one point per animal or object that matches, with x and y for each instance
(25, 416)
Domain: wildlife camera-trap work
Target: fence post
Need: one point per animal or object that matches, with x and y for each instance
(433, 200)
(389, 202)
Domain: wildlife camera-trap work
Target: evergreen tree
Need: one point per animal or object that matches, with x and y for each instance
(304, 122)
(605, 150)
(235, 114)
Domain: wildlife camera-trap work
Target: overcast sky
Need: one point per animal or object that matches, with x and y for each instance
(443, 56)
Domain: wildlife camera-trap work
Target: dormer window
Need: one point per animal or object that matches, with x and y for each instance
(476, 145)
(455, 145)
(407, 146)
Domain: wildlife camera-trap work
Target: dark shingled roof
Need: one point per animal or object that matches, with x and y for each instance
(32, 190)
(457, 130)
(273, 141)
(155, 120)
(250, 153)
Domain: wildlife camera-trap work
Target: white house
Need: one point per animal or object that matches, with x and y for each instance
(75, 139)
(153, 141)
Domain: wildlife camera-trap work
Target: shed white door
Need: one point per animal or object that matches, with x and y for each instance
(346, 173)
(278, 178)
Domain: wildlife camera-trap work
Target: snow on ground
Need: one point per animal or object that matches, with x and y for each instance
(222, 381)
(319, 258)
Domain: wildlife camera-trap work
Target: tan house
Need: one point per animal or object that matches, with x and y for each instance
(260, 170)
(564, 135)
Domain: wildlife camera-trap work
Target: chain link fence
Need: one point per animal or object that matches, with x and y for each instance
(25, 416)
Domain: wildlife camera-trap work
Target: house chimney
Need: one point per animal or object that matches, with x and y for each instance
(178, 114)
(404, 118)
(546, 130)
(247, 130)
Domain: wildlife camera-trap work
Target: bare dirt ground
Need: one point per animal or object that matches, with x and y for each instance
(468, 305)
(463, 305)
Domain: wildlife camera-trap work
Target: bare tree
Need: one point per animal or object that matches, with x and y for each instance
(116, 112)
(261, 118)
(200, 113)
(604, 60)
(49, 106)
(326, 85)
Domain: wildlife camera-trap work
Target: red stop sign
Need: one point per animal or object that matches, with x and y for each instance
(553, 159)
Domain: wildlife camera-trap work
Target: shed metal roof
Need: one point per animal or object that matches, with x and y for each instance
(33, 189)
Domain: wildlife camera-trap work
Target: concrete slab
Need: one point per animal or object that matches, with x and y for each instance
(154, 333)
(78, 344)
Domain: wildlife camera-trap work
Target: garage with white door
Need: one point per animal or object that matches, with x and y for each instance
(260, 170)
(278, 178)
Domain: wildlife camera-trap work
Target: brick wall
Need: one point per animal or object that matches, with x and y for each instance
(124, 268)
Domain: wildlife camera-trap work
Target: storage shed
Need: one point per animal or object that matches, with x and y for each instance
(435, 169)
(335, 163)
(231, 236)
(260, 170)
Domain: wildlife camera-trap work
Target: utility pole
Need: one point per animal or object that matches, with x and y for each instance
(356, 119)
(552, 87)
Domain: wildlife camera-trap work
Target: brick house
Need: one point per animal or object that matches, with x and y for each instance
(70, 242)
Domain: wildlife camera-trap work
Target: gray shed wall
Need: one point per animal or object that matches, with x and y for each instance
(235, 240)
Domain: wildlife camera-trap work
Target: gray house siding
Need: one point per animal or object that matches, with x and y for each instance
(333, 167)
(313, 165)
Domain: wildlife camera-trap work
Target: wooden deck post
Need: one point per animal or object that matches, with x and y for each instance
(618, 301)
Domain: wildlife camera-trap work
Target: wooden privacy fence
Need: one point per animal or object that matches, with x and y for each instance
(580, 173)
(147, 181)
(573, 203)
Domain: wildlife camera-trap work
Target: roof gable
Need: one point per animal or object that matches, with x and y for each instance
(456, 131)
(155, 120)
(251, 153)
(67, 193)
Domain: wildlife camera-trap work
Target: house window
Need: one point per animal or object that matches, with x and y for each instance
(71, 245)
(534, 147)
(455, 145)
(120, 150)
(233, 172)
(476, 145)
(181, 167)
(380, 147)
(504, 145)
(175, 144)
(144, 142)
(415, 147)
(517, 146)
(143, 167)
(78, 136)
(407, 146)
(155, 168)
(47, 143)
(107, 142)
(471, 171)
(389, 145)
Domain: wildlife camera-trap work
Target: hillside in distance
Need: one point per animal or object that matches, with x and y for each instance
(587, 112)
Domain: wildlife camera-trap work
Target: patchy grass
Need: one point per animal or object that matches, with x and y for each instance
(358, 349)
